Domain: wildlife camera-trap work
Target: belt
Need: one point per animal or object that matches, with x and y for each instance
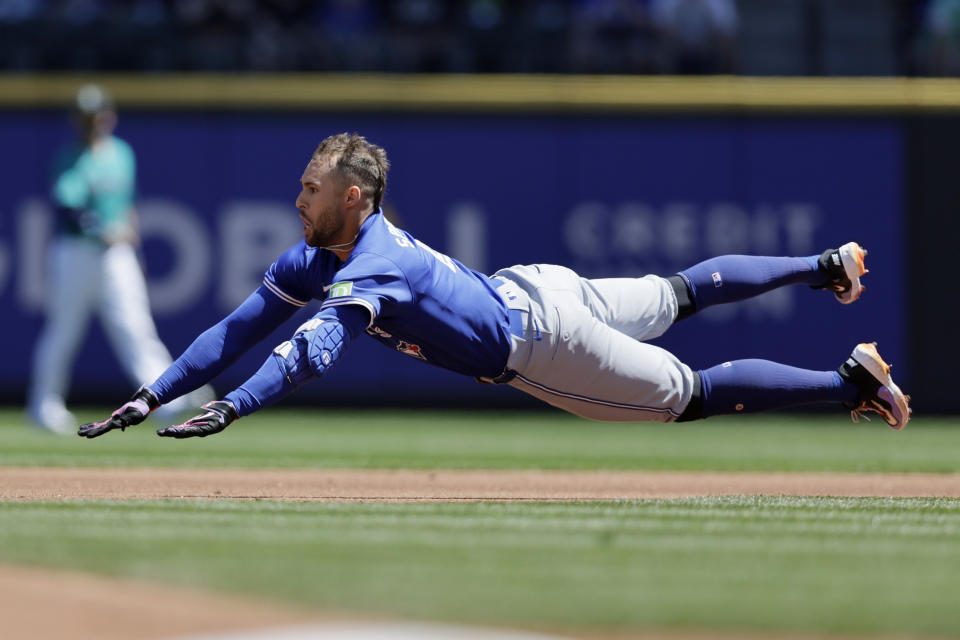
(514, 316)
(515, 325)
(516, 322)
(503, 378)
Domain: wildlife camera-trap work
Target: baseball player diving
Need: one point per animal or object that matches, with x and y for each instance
(575, 343)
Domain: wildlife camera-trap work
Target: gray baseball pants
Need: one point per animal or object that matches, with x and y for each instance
(582, 349)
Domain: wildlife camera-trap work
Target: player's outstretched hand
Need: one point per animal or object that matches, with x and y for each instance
(214, 420)
(133, 412)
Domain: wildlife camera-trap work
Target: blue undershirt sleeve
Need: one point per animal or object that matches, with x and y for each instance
(219, 346)
(315, 347)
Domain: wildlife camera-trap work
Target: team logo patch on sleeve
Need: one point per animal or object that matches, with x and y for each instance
(341, 289)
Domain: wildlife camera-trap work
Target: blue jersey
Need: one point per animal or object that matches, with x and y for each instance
(421, 302)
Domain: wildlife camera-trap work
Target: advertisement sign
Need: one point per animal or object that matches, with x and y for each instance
(607, 196)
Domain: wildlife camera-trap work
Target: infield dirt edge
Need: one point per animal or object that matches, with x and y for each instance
(45, 483)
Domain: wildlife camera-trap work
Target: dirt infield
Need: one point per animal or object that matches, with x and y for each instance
(39, 603)
(377, 485)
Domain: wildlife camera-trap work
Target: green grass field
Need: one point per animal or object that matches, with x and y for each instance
(768, 565)
(535, 440)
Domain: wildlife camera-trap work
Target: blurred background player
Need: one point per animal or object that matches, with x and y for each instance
(92, 265)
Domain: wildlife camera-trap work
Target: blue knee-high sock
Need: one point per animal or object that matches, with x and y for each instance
(746, 386)
(731, 278)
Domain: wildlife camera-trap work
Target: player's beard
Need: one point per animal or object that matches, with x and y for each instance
(323, 230)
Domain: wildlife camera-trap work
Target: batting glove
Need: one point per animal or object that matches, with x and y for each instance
(133, 412)
(214, 420)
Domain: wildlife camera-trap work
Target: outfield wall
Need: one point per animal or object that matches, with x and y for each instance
(613, 188)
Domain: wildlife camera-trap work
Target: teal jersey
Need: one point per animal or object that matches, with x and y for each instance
(95, 186)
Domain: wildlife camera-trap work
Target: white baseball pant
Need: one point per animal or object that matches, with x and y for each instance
(582, 346)
(84, 277)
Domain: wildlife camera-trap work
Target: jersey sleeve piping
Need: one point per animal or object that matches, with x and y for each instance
(283, 295)
(346, 300)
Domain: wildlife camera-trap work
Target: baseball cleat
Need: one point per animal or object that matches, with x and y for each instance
(843, 268)
(866, 369)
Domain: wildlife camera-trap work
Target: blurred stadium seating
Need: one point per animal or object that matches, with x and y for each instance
(751, 37)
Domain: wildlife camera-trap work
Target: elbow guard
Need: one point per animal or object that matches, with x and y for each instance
(314, 348)
(325, 346)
